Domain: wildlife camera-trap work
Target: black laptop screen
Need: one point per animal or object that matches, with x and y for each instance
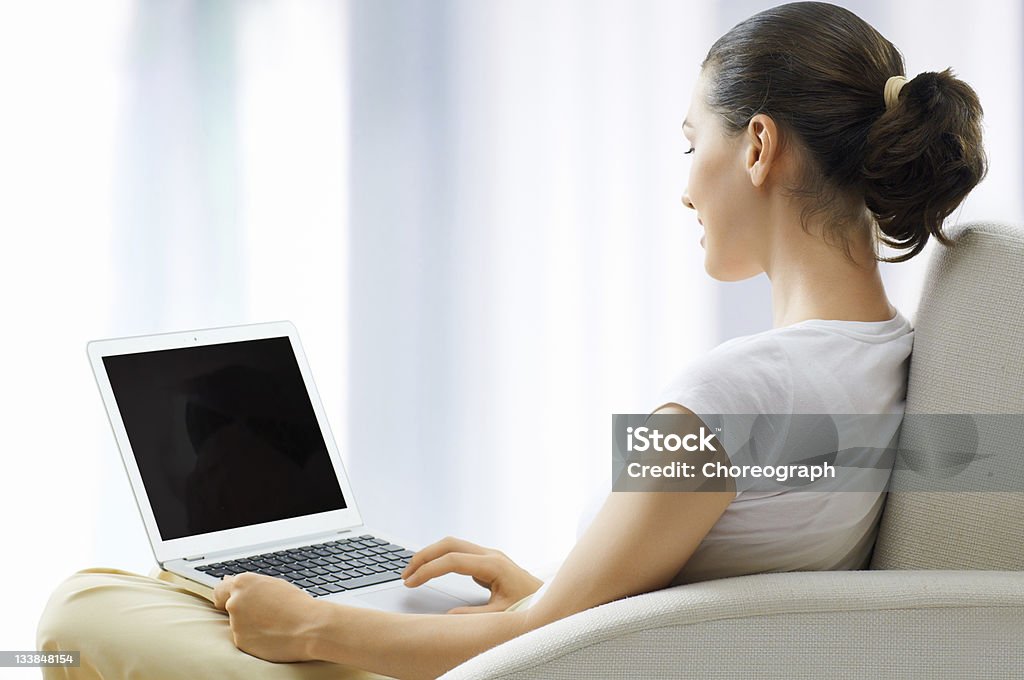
(224, 435)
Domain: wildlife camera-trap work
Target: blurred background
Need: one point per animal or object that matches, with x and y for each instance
(471, 210)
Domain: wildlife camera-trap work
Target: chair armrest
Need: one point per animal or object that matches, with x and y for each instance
(851, 624)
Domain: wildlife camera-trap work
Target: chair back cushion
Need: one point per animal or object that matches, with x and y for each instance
(956, 498)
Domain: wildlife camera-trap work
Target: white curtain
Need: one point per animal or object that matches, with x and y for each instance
(164, 165)
(470, 210)
(230, 196)
(521, 267)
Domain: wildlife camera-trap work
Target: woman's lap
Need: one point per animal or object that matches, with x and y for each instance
(131, 626)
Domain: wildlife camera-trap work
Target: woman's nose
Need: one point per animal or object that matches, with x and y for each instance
(686, 201)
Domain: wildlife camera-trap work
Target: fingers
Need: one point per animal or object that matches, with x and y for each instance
(481, 567)
(449, 544)
(222, 592)
(229, 585)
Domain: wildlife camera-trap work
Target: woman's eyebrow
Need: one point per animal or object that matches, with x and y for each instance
(687, 124)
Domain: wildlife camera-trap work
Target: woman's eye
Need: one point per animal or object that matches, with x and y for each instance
(688, 152)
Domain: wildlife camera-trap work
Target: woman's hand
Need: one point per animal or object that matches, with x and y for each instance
(270, 618)
(492, 569)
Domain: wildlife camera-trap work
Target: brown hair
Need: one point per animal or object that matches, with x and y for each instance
(819, 72)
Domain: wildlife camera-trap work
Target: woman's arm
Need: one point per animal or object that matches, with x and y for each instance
(637, 543)
(408, 645)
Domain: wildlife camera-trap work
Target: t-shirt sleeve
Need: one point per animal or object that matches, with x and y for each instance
(749, 379)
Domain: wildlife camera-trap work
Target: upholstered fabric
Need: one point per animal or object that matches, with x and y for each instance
(968, 359)
(891, 624)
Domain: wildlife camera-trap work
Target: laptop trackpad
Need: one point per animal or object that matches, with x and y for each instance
(422, 600)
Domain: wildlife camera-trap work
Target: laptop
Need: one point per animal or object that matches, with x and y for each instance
(234, 469)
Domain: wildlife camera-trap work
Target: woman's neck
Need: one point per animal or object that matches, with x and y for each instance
(817, 281)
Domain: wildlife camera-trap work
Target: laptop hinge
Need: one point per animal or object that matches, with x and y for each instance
(194, 558)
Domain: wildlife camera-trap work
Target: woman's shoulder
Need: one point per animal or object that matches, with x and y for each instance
(762, 372)
(746, 374)
(746, 356)
(810, 340)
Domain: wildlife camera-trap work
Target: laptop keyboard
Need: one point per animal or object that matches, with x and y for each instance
(324, 568)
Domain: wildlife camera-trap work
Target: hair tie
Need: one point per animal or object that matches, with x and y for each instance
(892, 90)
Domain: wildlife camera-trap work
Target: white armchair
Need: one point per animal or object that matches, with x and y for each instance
(944, 597)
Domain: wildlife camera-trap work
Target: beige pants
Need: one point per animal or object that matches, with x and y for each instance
(128, 626)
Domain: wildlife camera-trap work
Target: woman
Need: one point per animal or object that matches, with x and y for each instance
(807, 147)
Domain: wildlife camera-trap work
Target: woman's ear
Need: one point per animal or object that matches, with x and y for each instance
(762, 148)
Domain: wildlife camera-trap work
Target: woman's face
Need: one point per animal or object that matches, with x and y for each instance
(721, 191)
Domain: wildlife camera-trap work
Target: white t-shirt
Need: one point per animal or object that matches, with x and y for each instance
(811, 367)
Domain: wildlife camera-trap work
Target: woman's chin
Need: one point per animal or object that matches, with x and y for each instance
(725, 273)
